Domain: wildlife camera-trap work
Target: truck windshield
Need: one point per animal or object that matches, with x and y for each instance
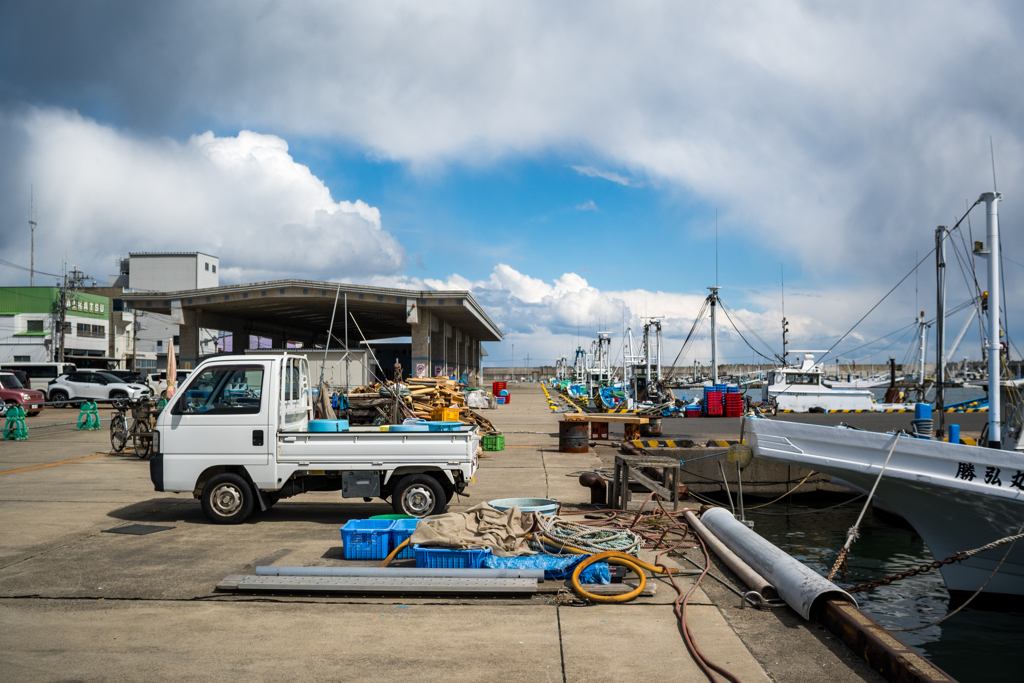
(222, 390)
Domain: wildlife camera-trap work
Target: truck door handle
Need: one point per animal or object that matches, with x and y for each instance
(257, 437)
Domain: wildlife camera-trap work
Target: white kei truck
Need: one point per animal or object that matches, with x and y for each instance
(236, 436)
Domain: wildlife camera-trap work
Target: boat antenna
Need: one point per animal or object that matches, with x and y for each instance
(716, 246)
(992, 153)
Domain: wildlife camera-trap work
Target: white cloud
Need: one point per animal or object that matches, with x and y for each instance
(100, 192)
(607, 175)
(588, 205)
(849, 125)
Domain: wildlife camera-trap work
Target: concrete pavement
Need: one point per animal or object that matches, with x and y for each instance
(80, 604)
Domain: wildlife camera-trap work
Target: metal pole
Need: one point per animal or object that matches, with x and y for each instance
(994, 355)
(330, 331)
(924, 343)
(714, 336)
(346, 343)
(940, 321)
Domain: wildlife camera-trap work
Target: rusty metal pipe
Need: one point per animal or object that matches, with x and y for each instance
(598, 487)
(883, 651)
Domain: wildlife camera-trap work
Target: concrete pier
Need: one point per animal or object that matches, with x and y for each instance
(79, 604)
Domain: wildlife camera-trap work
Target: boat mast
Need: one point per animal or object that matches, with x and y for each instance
(994, 354)
(940, 324)
(714, 335)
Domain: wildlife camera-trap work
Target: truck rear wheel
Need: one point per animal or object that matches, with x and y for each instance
(227, 499)
(418, 495)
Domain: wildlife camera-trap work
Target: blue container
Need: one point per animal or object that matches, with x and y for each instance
(409, 428)
(954, 433)
(444, 426)
(443, 558)
(503, 392)
(402, 530)
(366, 539)
(328, 426)
(922, 411)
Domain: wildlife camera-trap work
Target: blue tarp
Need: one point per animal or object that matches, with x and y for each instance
(554, 566)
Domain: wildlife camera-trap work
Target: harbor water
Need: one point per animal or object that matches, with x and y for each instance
(971, 645)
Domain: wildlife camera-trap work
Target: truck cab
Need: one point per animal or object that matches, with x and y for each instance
(236, 436)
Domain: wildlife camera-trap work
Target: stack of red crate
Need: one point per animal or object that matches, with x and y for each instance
(497, 387)
(713, 403)
(733, 404)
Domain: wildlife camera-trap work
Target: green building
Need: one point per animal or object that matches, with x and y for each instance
(30, 326)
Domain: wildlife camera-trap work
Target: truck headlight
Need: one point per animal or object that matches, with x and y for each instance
(156, 442)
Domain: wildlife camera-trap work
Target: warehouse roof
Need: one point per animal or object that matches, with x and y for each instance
(308, 305)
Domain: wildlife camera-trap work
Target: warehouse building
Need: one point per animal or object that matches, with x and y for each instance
(445, 329)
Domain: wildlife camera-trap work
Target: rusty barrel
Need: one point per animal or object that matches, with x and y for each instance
(573, 437)
(652, 428)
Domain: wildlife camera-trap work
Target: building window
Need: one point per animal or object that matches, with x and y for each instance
(91, 331)
(226, 297)
(118, 305)
(263, 293)
(282, 291)
(35, 325)
(207, 266)
(23, 359)
(245, 295)
(360, 296)
(305, 291)
(68, 329)
(215, 267)
(441, 302)
(177, 340)
(208, 299)
(159, 343)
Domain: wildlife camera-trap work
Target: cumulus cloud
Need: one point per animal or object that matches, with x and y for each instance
(588, 205)
(100, 192)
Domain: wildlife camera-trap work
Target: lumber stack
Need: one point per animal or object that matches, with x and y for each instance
(434, 392)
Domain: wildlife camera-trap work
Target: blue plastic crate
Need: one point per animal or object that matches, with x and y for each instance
(402, 530)
(443, 558)
(366, 539)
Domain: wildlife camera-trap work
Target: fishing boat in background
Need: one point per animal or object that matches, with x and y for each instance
(801, 389)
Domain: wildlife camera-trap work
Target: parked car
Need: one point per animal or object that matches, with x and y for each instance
(128, 376)
(13, 393)
(22, 376)
(82, 385)
(42, 371)
(158, 381)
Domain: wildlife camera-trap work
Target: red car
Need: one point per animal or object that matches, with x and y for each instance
(13, 393)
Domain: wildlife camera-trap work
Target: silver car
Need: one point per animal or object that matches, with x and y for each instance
(83, 385)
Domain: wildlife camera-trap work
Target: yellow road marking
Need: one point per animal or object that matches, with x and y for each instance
(54, 464)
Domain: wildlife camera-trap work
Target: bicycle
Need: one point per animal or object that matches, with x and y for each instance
(119, 426)
(143, 422)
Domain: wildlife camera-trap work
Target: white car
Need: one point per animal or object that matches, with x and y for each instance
(75, 386)
(158, 381)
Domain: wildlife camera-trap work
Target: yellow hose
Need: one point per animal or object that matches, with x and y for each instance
(394, 553)
(611, 557)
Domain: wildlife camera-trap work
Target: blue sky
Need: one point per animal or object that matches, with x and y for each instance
(564, 163)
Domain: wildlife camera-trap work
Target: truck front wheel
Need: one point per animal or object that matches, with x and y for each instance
(227, 499)
(418, 495)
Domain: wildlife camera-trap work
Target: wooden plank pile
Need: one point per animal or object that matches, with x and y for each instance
(427, 393)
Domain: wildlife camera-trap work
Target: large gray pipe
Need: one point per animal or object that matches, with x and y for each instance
(740, 568)
(795, 583)
(415, 572)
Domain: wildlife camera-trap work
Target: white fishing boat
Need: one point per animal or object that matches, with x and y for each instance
(800, 389)
(957, 497)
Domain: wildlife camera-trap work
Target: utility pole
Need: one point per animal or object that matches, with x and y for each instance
(32, 238)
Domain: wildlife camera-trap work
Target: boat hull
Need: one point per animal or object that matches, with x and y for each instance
(956, 497)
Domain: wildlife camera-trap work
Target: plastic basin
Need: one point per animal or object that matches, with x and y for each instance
(544, 506)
